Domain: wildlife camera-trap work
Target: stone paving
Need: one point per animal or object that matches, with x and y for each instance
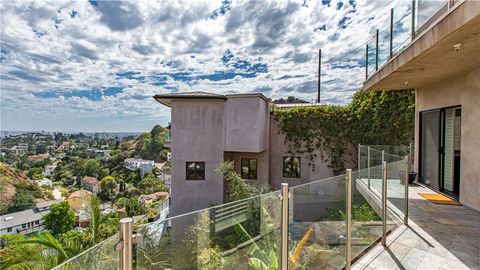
(438, 237)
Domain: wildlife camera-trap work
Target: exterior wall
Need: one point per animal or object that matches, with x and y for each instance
(309, 170)
(75, 203)
(247, 124)
(462, 89)
(263, 160)
(198, 132)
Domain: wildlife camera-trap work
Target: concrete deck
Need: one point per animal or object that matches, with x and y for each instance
(438, 237)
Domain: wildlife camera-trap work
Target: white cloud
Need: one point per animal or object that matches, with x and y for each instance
(56, 46)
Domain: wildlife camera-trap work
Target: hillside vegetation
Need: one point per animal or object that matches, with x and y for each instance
(17, 191)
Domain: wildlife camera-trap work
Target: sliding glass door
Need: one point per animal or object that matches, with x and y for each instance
(440, 149)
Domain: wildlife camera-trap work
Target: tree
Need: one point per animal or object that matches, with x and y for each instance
(22, 200)
(150, 184)
(41, 251)
(61, 218)
(108, 184)
(238, 188)
(35, 173)
(91, 167)
(95, 218)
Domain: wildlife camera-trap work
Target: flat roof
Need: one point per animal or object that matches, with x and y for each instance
(166, 99)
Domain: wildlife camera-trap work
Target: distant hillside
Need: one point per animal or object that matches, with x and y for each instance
(8, 178)
(13, 181)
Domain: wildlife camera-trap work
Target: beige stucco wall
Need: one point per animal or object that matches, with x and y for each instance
(246, 124)
(309, 170)
(198, 134)
(263, 160)
(462, 89)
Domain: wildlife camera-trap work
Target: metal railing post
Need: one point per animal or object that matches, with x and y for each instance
(384, 204)
(405, 202)
(368, 166)
(366, 63)
(383, 156)
(348, 244)
(413, 19)
(391, 33)
(376, 50)
(284, 229)
(124, 245)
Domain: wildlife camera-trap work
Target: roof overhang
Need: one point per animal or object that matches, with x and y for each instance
(167, 98)
(432, 57)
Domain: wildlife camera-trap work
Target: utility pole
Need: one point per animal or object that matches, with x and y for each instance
(319, 74)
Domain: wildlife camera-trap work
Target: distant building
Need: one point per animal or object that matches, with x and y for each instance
(19, 149)
(98, 153)
(37, 157)
(26, 221)
(78, 199)
(150, 198)
(44, 182)
(49, 170)
(91, 184)
(144, 166)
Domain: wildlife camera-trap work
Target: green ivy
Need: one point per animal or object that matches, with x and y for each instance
(386, 117)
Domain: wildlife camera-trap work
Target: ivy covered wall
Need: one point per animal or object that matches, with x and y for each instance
(386, 118)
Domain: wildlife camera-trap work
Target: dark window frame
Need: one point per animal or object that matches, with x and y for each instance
(199, 175)
(249, 175)
(292, 158)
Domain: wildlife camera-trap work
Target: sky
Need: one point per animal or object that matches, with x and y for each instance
(95, 65)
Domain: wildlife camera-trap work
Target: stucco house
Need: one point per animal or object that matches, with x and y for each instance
(442, 65)
(78, 199)
(208, 129)
(91, 184)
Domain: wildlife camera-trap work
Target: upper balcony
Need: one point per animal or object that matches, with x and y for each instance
(424, 42)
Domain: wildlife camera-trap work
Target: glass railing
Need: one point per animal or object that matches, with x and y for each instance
(318, 229)
(402, 28)
(101, 256)
(234, 235)
(246, 234)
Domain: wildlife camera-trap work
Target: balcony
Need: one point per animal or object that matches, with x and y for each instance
(360, 220)
(421, 39)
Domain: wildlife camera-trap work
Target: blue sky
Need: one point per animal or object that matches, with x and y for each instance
(94, 65)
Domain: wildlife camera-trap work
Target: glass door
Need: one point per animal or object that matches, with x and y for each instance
(440, 149)
(430, 148)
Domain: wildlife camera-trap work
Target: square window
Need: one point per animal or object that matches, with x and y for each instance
(24, 226)
(249, 168)
(9, 229)
(291, 167)
(37, 222)
(195, 170)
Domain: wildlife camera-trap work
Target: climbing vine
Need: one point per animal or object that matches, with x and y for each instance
(386, 117)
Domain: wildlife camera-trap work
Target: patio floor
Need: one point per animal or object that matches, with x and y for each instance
(438, 237)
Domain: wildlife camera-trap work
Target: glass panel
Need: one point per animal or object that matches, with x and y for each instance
(449, 152)
(396, 189)
(428, 11)
(402, 25)
(101, 256)
(384, 44)
(317, 233)
(253, 168)
(234, 235)
(366, 220)
(430, 143)
(371, 56)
